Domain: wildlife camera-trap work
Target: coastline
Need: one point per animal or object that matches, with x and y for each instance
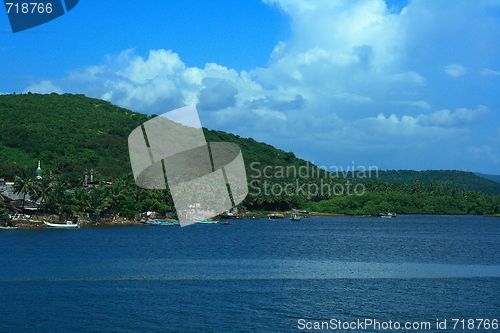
(34, 223)
(38, 223)
(103, 222)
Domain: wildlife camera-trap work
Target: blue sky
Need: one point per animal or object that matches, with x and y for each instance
(394, 84)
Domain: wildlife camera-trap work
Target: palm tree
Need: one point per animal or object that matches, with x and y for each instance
(44, 191)
(97, 199)
(81, 197)
(26, 184)
(59, 199)
(117, 192)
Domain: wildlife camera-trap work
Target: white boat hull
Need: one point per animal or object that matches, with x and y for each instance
(60, 225)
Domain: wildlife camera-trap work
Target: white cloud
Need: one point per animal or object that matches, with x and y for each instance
(160, 63)
(161, 82)
(489, 72)
(44, 87)
(461, 117)
(217, 94)
(455, 70)
(269, 114)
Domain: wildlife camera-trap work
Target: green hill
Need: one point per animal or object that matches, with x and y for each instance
(450, 178)
(71, 133)
(495, 178)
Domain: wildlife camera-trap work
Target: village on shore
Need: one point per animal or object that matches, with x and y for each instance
(37, 220)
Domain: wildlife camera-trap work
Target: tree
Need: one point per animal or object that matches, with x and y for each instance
(97, 199)
(127, 208)
(60, 200)
(26, 184)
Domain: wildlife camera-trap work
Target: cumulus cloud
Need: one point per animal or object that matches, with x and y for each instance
(217, 94)
(455, 70)
(160, 63)
(160, 82)
(461, 117)
(44, 87)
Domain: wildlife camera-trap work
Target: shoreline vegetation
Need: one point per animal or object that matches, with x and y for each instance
(81, 144)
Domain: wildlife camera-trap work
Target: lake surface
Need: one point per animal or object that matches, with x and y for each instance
(253, 276)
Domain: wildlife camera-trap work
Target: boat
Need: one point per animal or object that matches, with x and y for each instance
(388, 215)
(9, 227)
(225, 223)
(275, 216)
(168, 222)
(160, 222)
(68, 225)
(206, 222)
(296, 217)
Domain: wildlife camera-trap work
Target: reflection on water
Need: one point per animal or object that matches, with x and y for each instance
(257, 269)
(319, 248)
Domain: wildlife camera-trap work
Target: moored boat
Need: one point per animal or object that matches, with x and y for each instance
(160, 222)
(206, 222)
(275, 216)
(68, 225)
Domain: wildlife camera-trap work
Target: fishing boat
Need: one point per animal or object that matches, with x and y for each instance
(388, 215)
(9, 227)
(68, 225)
(160, 222)
(206, 222)
(225, 223)
(296, 217)
(275, 216)
(168, 222)
(149, 223)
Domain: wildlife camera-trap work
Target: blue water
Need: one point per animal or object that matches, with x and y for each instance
(253, 276)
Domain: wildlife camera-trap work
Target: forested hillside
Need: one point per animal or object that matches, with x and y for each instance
(67, 133)
(464, 180)
(495, 178)
(70, 133)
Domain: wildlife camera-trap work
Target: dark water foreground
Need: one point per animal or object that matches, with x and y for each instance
(254, 276)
